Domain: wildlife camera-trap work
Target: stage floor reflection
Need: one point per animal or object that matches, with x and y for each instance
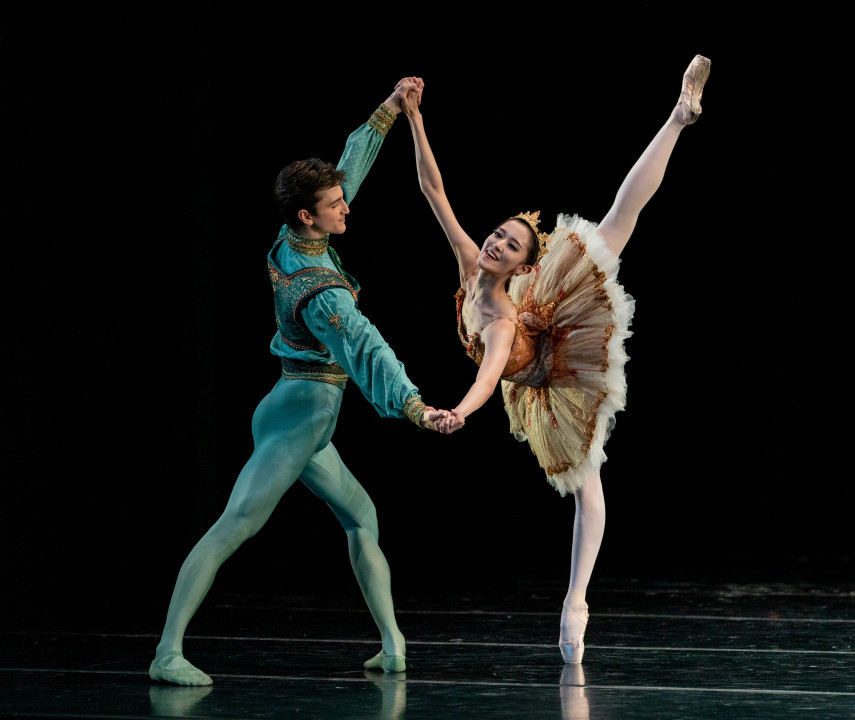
(663, 649)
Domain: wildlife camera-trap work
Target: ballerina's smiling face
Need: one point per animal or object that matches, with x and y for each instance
(507, 250)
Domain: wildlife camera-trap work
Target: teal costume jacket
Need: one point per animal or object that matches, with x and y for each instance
(322, 335)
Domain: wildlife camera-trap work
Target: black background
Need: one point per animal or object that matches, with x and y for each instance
(140, 148)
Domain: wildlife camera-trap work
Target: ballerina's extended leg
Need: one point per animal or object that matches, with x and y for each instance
(645, 177)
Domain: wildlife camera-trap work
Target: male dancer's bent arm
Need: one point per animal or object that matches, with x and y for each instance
(359, 348)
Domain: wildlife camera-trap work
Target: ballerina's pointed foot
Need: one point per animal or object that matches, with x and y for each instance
(689, 106)
(387, 663)
(574, 620)
(173, 668)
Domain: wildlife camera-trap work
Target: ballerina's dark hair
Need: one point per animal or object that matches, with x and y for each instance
(533, 244)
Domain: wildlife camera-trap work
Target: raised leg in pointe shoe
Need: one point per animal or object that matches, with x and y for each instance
(646, 175)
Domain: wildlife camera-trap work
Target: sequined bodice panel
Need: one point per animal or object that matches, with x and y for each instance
(523, 349)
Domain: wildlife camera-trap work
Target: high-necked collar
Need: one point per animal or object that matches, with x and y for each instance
(307, 246)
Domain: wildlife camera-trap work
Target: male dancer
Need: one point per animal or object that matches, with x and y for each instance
(322, 340)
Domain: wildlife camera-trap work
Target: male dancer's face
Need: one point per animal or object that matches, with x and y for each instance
(331, 210)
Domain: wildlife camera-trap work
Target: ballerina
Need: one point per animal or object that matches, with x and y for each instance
(544, 315)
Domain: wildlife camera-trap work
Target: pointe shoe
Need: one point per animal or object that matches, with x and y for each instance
(689, 105)
(387, 663)
(572, 650)
(173, 668)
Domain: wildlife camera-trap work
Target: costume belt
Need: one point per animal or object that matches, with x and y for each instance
(317, 371)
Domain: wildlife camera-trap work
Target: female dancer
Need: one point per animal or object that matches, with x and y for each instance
(545, 315)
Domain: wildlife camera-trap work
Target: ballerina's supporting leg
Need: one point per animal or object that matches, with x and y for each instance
(588, 527)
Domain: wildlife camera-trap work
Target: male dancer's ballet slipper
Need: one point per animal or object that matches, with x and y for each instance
(689, 104)
(387, 663)
(173, 668)
(573, 650)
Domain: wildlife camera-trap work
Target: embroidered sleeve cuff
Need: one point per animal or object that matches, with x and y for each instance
(414, 408)
(381, 119)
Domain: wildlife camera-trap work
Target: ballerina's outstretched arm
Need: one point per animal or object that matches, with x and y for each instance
(498, 337)
(646, 175)
(430, 181)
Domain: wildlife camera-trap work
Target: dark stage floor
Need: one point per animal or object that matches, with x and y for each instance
(655, 649)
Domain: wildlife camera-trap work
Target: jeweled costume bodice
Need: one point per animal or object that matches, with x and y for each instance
(523, 350)
(321, 334)
(292, 291)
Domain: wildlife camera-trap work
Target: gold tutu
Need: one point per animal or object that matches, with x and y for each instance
(579, 315)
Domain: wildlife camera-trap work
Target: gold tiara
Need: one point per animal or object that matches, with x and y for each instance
(533, 220)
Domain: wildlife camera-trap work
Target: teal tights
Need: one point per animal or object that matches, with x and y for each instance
(291, 428)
